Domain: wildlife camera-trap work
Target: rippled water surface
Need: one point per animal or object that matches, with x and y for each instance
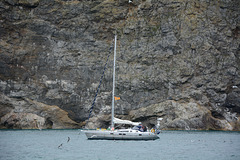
(175, 145)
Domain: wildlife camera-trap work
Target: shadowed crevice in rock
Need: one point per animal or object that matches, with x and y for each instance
(48, 123)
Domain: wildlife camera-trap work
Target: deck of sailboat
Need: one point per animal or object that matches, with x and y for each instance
(122, 134)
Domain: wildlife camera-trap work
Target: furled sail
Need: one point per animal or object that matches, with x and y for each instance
(119, 121)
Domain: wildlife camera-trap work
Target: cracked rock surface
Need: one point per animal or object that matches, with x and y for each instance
(176, 59)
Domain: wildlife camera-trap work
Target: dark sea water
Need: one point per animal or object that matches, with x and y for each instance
(172, 145)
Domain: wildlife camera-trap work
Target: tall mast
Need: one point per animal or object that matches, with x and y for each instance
(115, 49)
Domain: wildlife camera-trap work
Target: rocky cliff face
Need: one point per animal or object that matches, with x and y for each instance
(23, 113)
(176, 59)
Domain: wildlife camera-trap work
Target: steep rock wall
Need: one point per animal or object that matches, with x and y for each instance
(170, 51)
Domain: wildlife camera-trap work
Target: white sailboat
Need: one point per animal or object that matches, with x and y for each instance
(135, 133)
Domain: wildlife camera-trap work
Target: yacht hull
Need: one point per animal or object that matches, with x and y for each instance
(115, 135)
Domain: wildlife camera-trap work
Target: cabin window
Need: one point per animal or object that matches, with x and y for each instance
(111, 133)
(140, 134)
(120, 133)
(124, 134)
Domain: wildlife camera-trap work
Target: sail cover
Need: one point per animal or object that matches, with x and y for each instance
(119, 121)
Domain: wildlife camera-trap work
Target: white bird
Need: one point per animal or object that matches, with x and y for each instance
(234, 86)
